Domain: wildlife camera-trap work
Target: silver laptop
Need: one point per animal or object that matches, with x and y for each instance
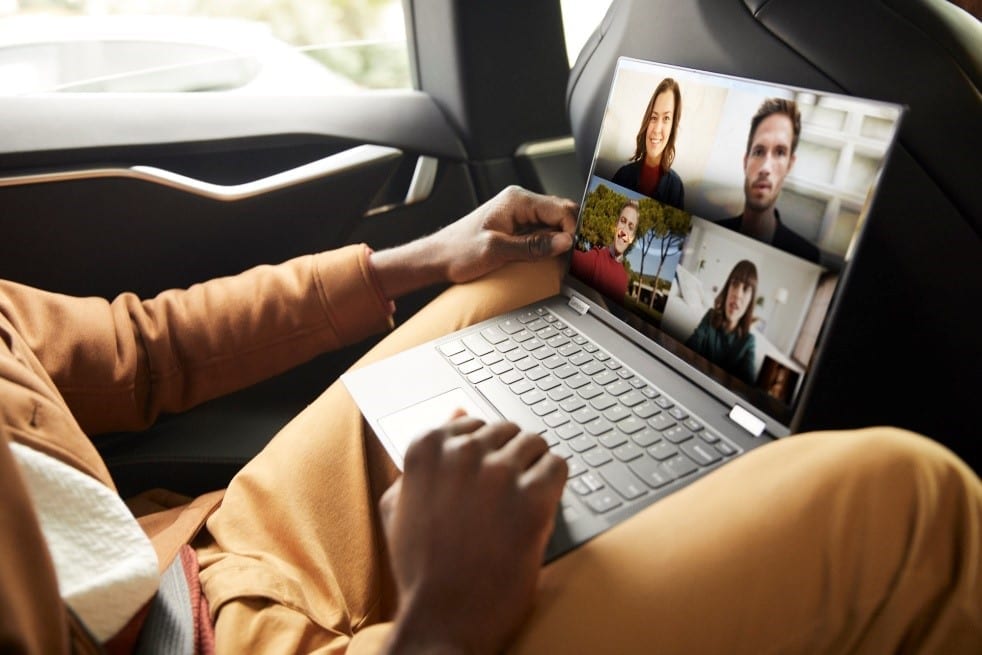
(713, 237)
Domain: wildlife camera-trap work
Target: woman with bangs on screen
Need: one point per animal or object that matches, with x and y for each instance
(650, 170)
(723, 335)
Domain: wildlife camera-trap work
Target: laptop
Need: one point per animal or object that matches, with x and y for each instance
(695, 301)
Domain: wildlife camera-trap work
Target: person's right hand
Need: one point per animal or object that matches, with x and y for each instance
(467, 526)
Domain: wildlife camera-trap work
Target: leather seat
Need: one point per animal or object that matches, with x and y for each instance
(905, 350)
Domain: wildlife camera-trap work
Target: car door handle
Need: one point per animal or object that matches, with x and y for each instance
(341, 162)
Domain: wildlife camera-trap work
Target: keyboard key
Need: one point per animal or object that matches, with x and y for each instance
(651, 472)
(564, 371)
(477, 344)
(677, 434)
(556, 419)
(679, 466)
(506, 346)
(568, 350)
(470, 366)
(451, 348)
(725, 449)
(602, 356)
(638, 383)
(631, 424)
(663, 450)
(525, 364)
(461, 357)
(533, 344)
(664, 402)
(649, 392)
(503, 367)
(492, 358)
(645, 437)
(547, 383)
(693, 424)
(646, 409)
(521, 387)
(709, 436)
(627, 451)
(618, 413)
(557, 341)
(575, 467)
(552, 362)
(592, 367)
(536, 325)
(700, 452)
(602, 501)
(623, 480)
(593, 481)
(532, 397)
(633, 398)
(589, 391)
(509, 377)
(479, 376)
(625, 373)
(562, 450)
(569, 431)
(580, 339)
(598, 426)
(581, 358)
(603, 378)
(612, 439)
(584, 415)
(579, 487)
(570, 405)
(544, 407)
(613, 364)
(578, 380)
(618, 388)
(522, 336)
(543, 353)
(560, 393)
(517, 355)
(596, 457)
(678, 413)
(548, 333)
(494, 335)
(590, 348)
(661, 421)
(602, 402)
(582, 443)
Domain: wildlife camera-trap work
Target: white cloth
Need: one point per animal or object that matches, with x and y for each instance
(106, 565)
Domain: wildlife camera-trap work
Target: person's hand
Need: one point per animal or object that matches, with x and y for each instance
(515, 225)
(467, 526)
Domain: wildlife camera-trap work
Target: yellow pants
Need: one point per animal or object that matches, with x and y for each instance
(859, 541)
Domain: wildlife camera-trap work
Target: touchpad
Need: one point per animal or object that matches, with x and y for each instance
(402, 427)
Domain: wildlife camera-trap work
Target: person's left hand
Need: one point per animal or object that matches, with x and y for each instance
(515, 225)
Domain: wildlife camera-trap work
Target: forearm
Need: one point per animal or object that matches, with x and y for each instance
(410, 267)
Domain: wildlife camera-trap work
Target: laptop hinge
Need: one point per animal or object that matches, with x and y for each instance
(742, 417)
(578, 305)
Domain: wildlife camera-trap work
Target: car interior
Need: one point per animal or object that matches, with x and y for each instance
(107, 193)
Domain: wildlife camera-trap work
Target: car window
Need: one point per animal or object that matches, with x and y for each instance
(244, 46)
(580, 18)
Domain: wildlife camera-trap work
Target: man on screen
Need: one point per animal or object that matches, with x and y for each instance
(603, 268)
(770, 154)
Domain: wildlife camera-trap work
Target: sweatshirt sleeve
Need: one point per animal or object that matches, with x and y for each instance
(120, 364)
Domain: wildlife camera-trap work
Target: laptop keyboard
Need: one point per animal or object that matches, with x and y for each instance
(621, 436)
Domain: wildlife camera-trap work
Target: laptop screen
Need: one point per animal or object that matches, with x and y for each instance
(720, 214)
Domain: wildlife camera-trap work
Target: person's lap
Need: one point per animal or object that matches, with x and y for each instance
(763, 555)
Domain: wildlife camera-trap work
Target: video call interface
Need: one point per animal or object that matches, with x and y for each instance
(719, 214)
